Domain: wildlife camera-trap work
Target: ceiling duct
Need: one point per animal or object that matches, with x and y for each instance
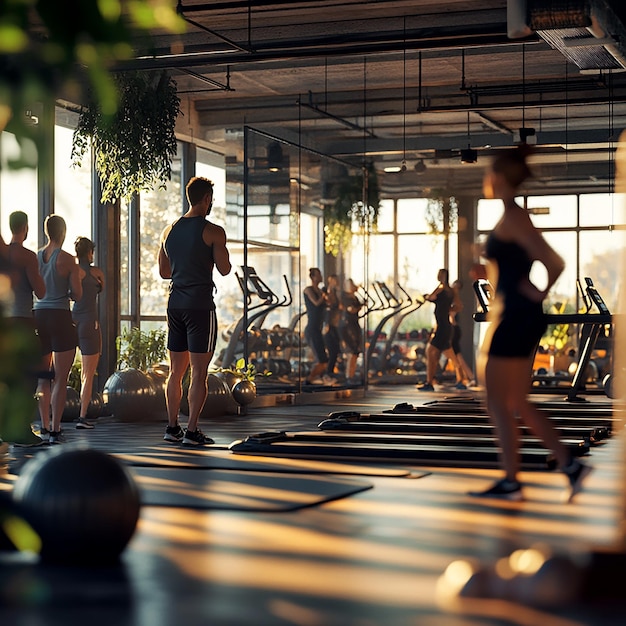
(588, 33)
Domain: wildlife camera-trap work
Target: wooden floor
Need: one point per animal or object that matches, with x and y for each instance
(377, 557)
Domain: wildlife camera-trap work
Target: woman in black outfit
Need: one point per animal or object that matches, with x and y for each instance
(441, 340)
(331, 330)
(518, 322)
(350, 328)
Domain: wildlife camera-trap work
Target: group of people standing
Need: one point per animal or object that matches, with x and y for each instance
(332, 324)
(55, 298)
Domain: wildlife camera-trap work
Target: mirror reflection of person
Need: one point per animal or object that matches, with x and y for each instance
(332, 339)
(350, 328)
(315, 303)
(517, 325)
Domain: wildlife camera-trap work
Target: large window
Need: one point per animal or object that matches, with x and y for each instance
(18, 190)
(72, 188)
(157, 209)
(583, 230)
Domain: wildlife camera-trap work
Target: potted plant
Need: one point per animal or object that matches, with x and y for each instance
(243, 380)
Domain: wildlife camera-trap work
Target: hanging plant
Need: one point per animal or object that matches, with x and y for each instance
(135, 147)
(442, 213)
(348, 211)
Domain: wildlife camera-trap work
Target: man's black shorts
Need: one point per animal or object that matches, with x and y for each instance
(193, 330)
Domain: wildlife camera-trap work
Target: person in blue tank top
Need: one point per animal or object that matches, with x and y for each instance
(85, 316)
(56, 330)
(190, 248)
(517, 324)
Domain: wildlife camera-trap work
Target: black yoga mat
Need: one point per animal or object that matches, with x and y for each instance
(240, 491)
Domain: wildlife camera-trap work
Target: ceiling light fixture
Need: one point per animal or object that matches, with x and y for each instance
(392, 169)
(274, 157)
(403, 166)
(524, 135)
(469, 155)
(420, 166)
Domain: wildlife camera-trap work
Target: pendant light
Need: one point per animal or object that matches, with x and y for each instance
(469, 155)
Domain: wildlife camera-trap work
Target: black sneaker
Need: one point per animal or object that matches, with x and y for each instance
(28, 440)
(57, 437)
(83, 424)
(174, 433)
(196, 438)
(44, 433)
(576, 472)
(503, 490)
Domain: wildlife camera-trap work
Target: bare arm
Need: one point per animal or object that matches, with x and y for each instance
(313, 297)
(433, 296)
(98, 274)
(221, 256)
(76, 273)
(538, 249)
(165, 269)
(34, 277)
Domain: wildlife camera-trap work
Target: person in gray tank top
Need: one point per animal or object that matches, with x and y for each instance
(57, 334)
(190, 248)
(85, 316)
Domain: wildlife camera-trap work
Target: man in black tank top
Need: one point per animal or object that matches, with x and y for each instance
(190, 248)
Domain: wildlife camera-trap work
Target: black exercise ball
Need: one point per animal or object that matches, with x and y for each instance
(244, 392)
(219, 400)
(96, 406)
(158, 378)
(130, 396)
(83, 504)
(71, 411)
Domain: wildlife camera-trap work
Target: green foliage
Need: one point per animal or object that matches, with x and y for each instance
(348, 210)
(135, 147)
(140, 349)
(62, 46)
(442, 213)
(19, 359)
(243, 370)
(73, 380)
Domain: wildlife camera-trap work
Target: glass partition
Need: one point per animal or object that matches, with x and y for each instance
(274, 219)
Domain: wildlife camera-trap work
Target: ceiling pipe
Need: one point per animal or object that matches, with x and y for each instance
(366, 44)
(340, 120)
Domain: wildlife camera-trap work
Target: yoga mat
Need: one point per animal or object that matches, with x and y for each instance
(185, 458)
(240, 491)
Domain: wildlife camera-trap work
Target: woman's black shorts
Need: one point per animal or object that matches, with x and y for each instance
(517, 334)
